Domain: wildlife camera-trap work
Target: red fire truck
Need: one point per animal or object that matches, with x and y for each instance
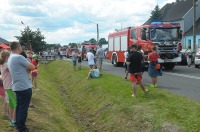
(165, 36)
(85, 47)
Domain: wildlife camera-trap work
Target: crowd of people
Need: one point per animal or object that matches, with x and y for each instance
(18, 75)
(95, 60)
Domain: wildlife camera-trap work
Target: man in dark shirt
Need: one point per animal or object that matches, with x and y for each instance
(23, 50)
(134, 62)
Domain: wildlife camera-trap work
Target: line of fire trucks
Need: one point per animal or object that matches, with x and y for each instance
(166, 36)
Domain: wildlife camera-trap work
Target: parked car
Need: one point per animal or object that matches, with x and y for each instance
(197, 59)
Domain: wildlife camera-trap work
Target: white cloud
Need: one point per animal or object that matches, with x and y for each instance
(68, 21)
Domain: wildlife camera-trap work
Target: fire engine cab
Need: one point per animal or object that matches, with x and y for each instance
(165, 36)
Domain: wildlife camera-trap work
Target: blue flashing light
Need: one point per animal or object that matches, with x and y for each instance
(156, 23)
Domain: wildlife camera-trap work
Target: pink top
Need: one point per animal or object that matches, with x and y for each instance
(6, 77)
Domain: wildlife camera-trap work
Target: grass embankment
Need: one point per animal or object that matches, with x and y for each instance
(68, 102)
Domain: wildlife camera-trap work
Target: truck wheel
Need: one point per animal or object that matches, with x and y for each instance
(114, 61)
(169, 66)
(196, 66)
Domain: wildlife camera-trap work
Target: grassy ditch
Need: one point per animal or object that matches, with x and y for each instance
(69, 102)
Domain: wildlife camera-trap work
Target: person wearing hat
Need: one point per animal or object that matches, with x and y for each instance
(34, 72)
(134, 61)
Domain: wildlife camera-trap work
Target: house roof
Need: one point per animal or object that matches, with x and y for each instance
(174, 11)
(178, 10)
(190, 31)
(4, 41)
(163, 11)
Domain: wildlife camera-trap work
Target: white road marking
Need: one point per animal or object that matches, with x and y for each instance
(183, 75)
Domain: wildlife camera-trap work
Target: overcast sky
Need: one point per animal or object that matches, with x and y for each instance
(65, 21)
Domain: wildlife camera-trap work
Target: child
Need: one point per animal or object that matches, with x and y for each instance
(6, 77)
(3, 94)
(74, 59)
(94, 72)
(79, 60)
(34, 73)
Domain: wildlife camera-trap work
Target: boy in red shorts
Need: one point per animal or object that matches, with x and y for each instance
(134, 62)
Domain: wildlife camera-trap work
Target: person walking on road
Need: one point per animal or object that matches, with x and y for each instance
(188, 54)
(19, 68)
(90, 57)
(100, 55)
(152, 71)
(134, 62)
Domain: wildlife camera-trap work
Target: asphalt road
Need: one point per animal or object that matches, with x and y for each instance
(182, 80)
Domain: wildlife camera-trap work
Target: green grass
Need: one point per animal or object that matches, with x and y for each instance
(69, 102)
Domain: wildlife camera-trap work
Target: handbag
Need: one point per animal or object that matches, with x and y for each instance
(157, 66)
(190, 56)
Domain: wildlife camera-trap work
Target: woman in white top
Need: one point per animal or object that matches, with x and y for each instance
(188, 54)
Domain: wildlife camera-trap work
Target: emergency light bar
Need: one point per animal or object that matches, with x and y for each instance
(158, 23)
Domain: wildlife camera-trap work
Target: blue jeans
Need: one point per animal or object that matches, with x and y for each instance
(23, 101)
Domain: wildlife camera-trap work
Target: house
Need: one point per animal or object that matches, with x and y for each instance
(188, 36)
(181, 11)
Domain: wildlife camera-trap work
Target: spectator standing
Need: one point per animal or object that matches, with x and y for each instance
(142, 63)
(100, 55)
(6, 77)
(94, 53)
(90, 57)
(23, 53)
(83, 52)
(34, 72)
(126, 53)
(188, 54)
(19, 68)
(74, 59)
(3, 94)
(134, 62)
(79, 60)
(153, 72)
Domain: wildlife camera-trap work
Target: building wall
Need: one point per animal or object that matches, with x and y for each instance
(188, 41)
(188, 23)
(188, 18)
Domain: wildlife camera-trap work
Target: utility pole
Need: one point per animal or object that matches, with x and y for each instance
(97, 30)
(194, 26)
(26, 27)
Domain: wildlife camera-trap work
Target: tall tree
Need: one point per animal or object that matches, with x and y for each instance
(35, 38)
(92, 40)
(73, 45)
(102, 41)
(156, 14)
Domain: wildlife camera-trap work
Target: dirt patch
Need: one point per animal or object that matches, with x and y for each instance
(168, 127)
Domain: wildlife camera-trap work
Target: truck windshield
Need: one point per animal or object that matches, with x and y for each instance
(164, 34)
